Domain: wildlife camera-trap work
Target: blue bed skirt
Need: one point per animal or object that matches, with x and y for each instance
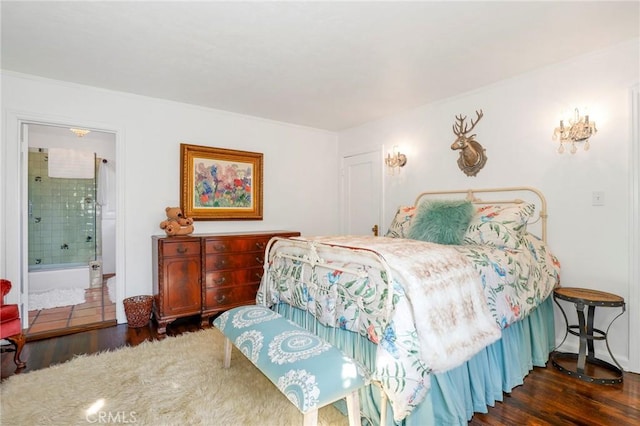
(471, 387)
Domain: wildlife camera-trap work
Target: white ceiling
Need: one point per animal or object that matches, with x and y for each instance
(329, 65)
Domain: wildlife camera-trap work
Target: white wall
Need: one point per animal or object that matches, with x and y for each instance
(300, 166)
(519, 117)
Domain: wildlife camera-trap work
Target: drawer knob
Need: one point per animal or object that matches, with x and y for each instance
(219, 280)
(220, 298)
(260, 245)
(181, 250)
(260, 261)
(221, 247)
(221, 264)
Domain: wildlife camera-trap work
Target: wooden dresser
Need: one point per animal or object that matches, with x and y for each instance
(207, 273)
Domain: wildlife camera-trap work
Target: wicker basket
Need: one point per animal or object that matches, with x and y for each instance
(138, 310)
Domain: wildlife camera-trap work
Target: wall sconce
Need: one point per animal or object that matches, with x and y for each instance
(580, 129)
(396, 160)
(80, 132)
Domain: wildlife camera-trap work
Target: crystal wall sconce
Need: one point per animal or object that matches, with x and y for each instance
(395, 160)
(579, 130)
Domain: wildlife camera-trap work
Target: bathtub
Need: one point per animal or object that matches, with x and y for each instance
(49, 277)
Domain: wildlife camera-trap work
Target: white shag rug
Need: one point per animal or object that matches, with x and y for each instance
(175, 381)
(56, 298)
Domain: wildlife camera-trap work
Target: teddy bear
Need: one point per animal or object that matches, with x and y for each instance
(176, 223)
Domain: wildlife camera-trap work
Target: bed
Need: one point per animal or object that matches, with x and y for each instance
(448, 310)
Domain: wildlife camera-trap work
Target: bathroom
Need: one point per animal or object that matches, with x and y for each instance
(71, 228)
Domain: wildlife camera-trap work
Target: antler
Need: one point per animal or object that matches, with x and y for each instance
(460, 128)
(457, 128)
(473, 123)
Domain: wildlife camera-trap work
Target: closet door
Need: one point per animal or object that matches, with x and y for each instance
(361, 193)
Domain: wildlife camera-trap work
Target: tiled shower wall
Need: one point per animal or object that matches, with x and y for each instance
(64, 222)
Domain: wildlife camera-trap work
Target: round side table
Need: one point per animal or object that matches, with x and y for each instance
(582, 298)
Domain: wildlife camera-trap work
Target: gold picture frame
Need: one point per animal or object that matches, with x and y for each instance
(220, 184)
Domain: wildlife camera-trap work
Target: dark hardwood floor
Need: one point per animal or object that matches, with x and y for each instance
(547, 397)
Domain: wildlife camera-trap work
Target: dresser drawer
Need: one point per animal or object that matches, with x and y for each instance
(180, 248)
(236, 245)
(215, 262)
(227, 297)
(233, 277)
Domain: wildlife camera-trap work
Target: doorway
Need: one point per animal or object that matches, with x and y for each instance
(70, 224)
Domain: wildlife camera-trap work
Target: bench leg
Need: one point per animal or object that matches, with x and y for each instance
(311, 418)
(383, 408)
(227, 353)
(353, 408)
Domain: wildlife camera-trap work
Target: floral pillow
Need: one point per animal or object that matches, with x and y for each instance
(401, 222)
(499, 226)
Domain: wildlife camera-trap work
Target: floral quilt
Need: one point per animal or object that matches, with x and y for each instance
(515, 281)
(346, 290)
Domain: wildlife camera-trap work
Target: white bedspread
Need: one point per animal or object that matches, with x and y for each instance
(451, 315)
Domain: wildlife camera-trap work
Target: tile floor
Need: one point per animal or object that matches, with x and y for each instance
(96, 308)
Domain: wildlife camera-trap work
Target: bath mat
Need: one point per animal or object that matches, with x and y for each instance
(111, 288)
(56, 298)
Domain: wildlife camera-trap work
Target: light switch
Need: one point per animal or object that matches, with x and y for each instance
(598, 198)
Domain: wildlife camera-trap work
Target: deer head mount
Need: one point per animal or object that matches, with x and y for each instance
(472, 154)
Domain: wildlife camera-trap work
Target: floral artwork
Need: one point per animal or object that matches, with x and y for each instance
(220, 184)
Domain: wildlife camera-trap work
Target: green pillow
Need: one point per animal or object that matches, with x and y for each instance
(441, 221)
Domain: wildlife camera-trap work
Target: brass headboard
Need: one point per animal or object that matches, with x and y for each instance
(509, 195)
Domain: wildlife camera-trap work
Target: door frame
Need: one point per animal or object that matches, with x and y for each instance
(634, 234)
(15, 200)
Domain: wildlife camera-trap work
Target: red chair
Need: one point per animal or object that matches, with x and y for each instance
(10, 324)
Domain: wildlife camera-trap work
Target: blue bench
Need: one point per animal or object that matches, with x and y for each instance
(310, 372)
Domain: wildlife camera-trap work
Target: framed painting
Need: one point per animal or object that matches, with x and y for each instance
(220, 184)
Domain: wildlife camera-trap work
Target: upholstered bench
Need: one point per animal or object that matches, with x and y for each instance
(310, 372)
